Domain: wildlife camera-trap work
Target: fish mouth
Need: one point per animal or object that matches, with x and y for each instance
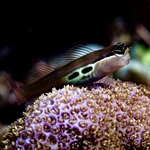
(127, 50)
(126, 57)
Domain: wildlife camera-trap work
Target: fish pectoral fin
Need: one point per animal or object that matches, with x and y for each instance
(108, 78)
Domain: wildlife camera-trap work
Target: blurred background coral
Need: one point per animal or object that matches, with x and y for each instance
(40, 31)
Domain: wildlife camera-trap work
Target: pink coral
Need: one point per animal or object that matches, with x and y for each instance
(101, 116)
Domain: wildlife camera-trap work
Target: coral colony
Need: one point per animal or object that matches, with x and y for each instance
(100, 116)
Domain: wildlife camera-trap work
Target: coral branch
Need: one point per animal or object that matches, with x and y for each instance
(101, 116)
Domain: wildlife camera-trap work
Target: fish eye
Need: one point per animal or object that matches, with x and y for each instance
(119, 48)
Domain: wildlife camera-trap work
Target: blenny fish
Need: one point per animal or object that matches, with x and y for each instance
(80, 65)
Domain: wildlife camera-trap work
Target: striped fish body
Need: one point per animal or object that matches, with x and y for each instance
(84, 69)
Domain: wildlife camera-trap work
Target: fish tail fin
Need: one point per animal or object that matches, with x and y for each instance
(16, 88)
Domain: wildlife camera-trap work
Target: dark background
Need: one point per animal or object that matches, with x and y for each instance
(42, 30)
(45, 29)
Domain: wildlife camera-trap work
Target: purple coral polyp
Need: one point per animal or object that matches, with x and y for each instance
(108, 117)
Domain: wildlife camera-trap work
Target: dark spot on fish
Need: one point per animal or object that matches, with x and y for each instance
(74, 75)
(87, 69)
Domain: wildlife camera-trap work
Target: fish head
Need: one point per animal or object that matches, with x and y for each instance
(114, 62)
(121, 55)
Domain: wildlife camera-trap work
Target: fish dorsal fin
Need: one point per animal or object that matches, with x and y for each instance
(71, 55)
(38, 71)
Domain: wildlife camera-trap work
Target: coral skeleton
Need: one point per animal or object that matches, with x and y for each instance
(113, 115)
